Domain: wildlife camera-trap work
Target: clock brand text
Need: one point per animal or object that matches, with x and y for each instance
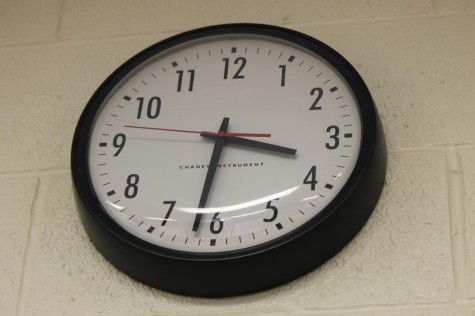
(223, 165)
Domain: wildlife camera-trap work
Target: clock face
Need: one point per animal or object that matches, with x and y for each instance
(148, 159)
(211, 156)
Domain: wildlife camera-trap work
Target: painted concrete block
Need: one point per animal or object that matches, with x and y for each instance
(467, 158)
(17, 199)
(92, 19)
(452, 6)
(28, 21)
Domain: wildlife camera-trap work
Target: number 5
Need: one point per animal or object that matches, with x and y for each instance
(274, 210)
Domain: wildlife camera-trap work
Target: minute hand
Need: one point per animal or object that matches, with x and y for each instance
(254, 144)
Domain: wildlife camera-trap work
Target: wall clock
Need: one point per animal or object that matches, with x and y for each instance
(227, 160)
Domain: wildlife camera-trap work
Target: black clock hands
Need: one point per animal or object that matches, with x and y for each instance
(220, 139)
(254, 144)
(213, 164)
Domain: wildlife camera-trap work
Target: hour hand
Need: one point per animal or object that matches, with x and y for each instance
(254, 144)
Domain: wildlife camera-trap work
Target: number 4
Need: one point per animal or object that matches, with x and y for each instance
(311, 178)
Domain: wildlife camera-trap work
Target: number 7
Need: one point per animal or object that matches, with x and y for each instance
(170, 209)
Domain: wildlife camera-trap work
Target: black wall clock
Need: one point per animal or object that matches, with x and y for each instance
(228, 160)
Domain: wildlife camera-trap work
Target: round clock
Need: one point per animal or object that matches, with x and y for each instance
(227, 160)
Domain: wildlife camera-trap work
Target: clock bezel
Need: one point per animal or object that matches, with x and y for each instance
(336, 223)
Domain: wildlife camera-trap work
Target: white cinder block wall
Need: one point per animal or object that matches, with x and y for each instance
(416, 255)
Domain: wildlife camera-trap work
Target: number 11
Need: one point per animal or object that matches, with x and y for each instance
(180, 79)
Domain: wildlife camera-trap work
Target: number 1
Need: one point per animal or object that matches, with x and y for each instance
(282, 77)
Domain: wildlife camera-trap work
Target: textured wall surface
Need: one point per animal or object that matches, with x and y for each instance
(416, 255)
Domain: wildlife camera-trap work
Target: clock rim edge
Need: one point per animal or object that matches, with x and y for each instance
(130, 258)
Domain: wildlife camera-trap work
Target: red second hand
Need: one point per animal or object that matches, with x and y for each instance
(220, 134)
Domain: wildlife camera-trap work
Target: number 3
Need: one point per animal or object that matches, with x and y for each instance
(336, 140)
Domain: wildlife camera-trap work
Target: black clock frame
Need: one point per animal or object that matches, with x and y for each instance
(256, 268)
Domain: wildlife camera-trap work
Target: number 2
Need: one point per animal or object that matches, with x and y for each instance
(319, 92)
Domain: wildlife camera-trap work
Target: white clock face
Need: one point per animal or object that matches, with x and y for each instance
(148, 160)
